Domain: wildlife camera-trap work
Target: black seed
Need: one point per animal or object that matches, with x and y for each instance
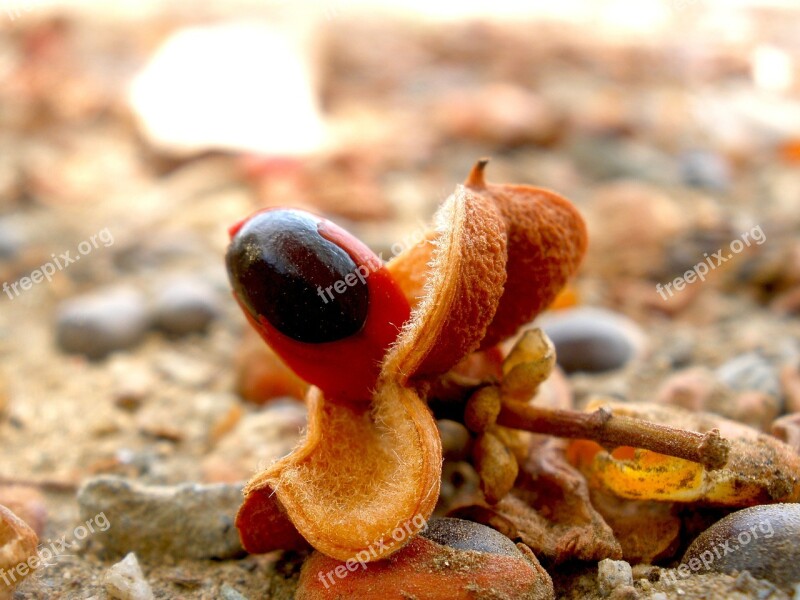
(281, 268)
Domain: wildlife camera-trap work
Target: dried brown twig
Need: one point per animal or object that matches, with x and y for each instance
(709, 449)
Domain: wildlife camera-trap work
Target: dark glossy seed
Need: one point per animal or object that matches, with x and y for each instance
(467, 535)
(281, 268)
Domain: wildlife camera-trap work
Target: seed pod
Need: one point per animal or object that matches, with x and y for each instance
(547, 239)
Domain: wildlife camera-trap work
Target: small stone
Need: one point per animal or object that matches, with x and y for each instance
(704, 169)
(750, 371)
(182, 521)
(593, 340)
(133, 382)
(230, 593)
(10, 240)
(787, 429)
(648, 220)
(624, 592)
(261, 376)
(700, 389)
(98, 324)
(186, 306)
(695, 389)
(612, 574)
(256, 439)
(761, 540)
(455, 439)
(125, 580)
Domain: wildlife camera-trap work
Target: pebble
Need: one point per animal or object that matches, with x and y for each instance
(760, 539)
(125, 580)
(183, 521)
(787, 429)
(10, 241)
(700, 389)
(257, 439)
(230, 593)
(705, 169)
(593, 340)
(100, 323)
(750, 371)
(186, 306)
(455, 439)
(613, 574)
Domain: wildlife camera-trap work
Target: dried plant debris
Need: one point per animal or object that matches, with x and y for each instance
(759, 469)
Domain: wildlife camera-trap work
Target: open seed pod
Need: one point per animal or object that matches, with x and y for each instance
(368, 466)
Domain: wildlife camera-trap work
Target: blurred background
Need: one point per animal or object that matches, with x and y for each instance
(134, 133)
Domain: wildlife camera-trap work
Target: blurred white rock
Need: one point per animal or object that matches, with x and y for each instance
(237, 86)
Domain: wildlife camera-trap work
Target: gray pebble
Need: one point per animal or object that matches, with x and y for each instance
(125, 580)
(704, 169)
(750, 371)
(230, 593)
(760, 539)
(100, 323)
(183, 521)
(613, 574)
(593, 340)
(186, 306)
(468, 535)
(10, 241)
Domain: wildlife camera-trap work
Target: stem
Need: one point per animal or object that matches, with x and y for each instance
(601, 426)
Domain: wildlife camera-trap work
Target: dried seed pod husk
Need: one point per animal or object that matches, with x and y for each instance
(482, 409)
(547, 240)
(361, 471)
(549, 509)
(760, 469)
(496, 465)
(463, 285)
(529, 363)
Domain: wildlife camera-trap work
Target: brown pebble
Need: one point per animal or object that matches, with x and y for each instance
(787, 429)
(626, 592)
(790, 384)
